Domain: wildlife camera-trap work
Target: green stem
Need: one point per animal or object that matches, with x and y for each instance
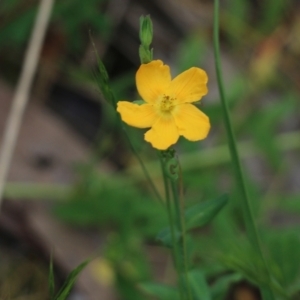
(251, 228)
(176, 255)
(175, 251)
(181, 225)
(165, 178)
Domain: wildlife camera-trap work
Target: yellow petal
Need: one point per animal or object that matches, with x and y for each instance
(163, 133)
(152, 80)
(189, 86)
(192, 123)
(141, 116)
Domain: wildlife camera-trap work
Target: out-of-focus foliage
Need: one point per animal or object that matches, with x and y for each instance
(97, 202)
(261, 111)
(73, 19)
(261, 70)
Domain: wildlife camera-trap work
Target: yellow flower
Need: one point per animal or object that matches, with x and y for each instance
(168, 109)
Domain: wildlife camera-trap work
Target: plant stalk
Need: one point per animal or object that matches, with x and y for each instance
(175, 250)
(181, 224)
(248, 215)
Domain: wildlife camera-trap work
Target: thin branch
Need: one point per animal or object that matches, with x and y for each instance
(23, 89)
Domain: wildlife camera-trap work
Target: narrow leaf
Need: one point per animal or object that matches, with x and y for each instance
(162, 292)
(70, 281)
(199, 285)
(165, 237)
(222, 284)
(103, 79)
(196, 216)
(51, 280)
(200, 214)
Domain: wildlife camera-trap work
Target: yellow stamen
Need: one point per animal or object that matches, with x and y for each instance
(167, 103)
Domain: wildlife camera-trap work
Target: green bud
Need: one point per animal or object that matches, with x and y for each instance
(146, 31)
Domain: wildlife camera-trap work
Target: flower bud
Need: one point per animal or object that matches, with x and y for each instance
(146, 31)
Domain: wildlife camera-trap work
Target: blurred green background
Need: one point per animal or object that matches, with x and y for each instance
(107, 192)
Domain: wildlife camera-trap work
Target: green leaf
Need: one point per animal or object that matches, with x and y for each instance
(200, 214)
(264, 123)
(51, 280)
(241, 256)
(284, 248)
(222, 284)
(103, 80)
(196, 216)
(244, 259)
(70, 281)
(165, 237)
(162, 292)
(199, 285)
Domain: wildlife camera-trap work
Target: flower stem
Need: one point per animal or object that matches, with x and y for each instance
(176, 254)
(172, 173)
(175, 250)
(251, 228)
(181, 224)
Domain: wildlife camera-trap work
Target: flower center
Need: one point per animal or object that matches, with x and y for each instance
(166, 103)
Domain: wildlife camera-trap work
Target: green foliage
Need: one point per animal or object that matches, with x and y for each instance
(264, 123)
(78, 14)
(165, 237)
(196, 216)
(8, 5)
(160, 291)
(17, 31)
(284, 247)
(70, 14)
(239, 9)
(70, 281)
(103, 83)
(196, 279)
(199, 285)
(222, 284)
(96, 202)
(200, 214)
(237, 15)
(124, 251)
(218, 255)
(273, 11)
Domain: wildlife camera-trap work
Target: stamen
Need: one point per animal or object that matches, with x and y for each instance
(166, 104)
